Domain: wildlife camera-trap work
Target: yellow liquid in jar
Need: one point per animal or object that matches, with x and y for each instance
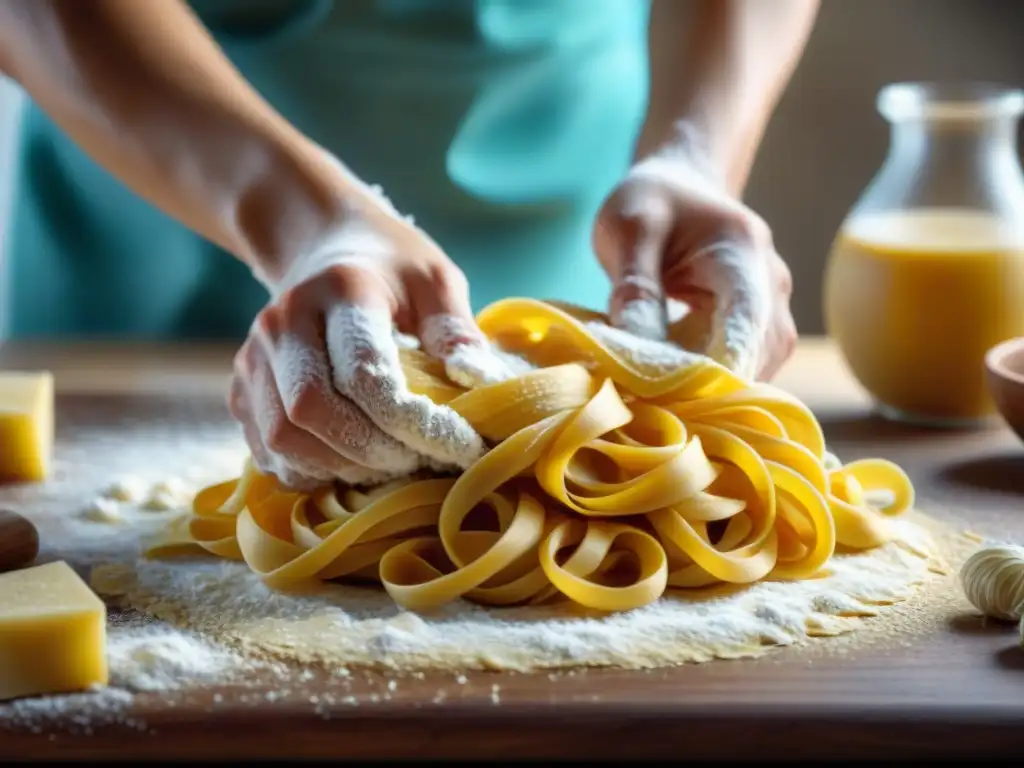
(914, 300)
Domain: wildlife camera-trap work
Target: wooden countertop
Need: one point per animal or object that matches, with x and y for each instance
(955, 691)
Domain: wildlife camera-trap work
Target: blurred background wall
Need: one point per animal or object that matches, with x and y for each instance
(826, 139)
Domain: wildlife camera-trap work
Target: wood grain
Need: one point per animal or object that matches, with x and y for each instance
(955, 690)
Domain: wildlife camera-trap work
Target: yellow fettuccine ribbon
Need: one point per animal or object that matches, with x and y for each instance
(609, 484)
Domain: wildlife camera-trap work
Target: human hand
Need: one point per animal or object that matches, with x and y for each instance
(318, 386)
(670, 231)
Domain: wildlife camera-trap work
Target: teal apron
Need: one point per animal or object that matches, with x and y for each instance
(498, 124)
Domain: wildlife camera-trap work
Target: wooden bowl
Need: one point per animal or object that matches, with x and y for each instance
(1004, 366)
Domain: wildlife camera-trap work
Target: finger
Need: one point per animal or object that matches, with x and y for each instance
(367, 370)
(640, 235)
(248, 398)
(449, 332)
(738, 278)
(238, 404)
(779, 347)
(298, 450)
(337, 435)
(782, 335)
(695, 311)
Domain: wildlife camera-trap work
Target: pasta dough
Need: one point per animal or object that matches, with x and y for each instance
(611, 480)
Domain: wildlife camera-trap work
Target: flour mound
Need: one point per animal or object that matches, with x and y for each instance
(337, 625)
(156, 658)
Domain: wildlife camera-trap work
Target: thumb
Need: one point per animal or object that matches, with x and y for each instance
(632, 246)
(449, 332)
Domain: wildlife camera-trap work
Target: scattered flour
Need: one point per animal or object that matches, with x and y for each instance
(129, 488)
(93, 509)
(102, 510)
(153, 657)
(78, 713)
(651, 356)
(213, 621)
(340, 625)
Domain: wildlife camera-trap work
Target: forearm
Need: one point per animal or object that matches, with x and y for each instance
(141, 87)
(718, 85)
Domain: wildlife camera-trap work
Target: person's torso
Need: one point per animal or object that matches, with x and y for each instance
(499, 124)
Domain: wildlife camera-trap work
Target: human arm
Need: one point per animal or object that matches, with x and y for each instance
(142, 88)
(675, 228)
(145, 91)
(717, 84)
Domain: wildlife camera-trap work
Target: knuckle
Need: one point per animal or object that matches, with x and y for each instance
(270, 322)
(788, 336)
(296, 299)
(644, 201)
(783, 276)
(305, 407)
(456, 278)
(342, 281)
(440, 275)
(240, 364)
(236, 400)
(278, 437)
(747, 227)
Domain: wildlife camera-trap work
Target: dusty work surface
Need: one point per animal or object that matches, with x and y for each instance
(926, 678)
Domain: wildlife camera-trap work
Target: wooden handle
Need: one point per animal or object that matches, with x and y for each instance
(19, 541)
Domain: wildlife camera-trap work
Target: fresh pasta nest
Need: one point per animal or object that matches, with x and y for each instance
(611, 482)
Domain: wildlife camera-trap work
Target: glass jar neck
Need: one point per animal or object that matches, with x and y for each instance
(953, 142)
(954, 164)
(950, 146)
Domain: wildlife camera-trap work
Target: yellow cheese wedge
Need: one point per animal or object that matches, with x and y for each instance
(26, 425)
(53, 633)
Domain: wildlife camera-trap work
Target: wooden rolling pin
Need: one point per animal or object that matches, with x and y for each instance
(19, 541)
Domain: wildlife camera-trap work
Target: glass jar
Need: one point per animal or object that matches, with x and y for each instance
(927, 270)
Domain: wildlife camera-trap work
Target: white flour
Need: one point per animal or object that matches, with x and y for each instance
(470, 360)
(644, 318)
(360, 626)
(367, 370)
(652, 357)
(77, 713)
(152, 657)
(145, 656)
(94, 508)
(360, 448)
(740, 283)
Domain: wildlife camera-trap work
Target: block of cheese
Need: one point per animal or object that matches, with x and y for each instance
(53, 633)
(26, 425)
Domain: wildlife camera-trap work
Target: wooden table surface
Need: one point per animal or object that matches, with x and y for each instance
(955, 691)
